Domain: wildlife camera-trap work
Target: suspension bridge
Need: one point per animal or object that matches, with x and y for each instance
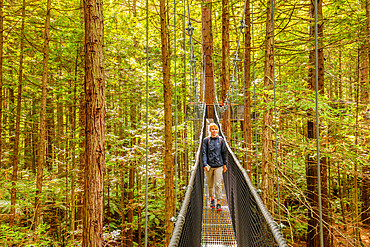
(244, 221)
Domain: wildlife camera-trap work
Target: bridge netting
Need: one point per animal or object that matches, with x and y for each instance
(253, 225)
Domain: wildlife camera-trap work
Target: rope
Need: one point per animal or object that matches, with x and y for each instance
(275, 114)
(147, 124)
(317, 128)
(175, 79)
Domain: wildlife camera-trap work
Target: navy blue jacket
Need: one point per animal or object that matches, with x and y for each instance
(214, 151)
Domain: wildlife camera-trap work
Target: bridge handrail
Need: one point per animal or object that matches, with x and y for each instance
(266, 214)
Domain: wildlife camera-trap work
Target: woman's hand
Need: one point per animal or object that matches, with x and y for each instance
(206, 168)
(225, 168)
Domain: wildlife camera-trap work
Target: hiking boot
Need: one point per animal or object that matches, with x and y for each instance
(218, 207)
(212, 203)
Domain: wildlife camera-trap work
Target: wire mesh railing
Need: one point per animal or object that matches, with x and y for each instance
(188, 225)
(253, 224)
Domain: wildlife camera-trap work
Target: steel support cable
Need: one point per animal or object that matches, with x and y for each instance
(245, 100)
(275, 114)
(185, 104)
(147, 124)
(175, 80)
(242, 29)
(317, 128)
(192, 60)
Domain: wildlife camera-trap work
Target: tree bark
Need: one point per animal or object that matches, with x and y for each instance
(168, 156)
(41, 146)
(50, 126)
(95, 124)
(18, 120)
(35, 137)
(267, 183)
(207, 45)
(60, 134)
(225, 67)
(313, 232)
(247, 85)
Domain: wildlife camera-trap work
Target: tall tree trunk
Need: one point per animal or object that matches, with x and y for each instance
(247, 86)
(35, 136)
(1, 77)
(313, 231)
(74, 197)
(168, 156)
(95, 124)
(60, 135)
(225, 67)
(41, 146)
(82, 120)
(267, 183)
(18, 120)
(207, 44)
(50, 126)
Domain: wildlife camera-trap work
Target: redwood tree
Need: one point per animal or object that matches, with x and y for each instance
(225, 66)
(168, 156)
(207, 44)
(18, 120)
(247, 85)
(42, 137)
(267, 183)
(313, 233)
(94, 125)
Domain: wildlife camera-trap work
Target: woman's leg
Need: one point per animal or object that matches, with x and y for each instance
(218, 183)
(210, 182)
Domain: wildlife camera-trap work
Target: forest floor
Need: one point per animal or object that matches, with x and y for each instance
(341, 237)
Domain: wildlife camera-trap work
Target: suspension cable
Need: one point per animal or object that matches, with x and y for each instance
(254, 101)
(175, 80)
(185, 107)
(192, 60)
(242, 29)
(317, 127)
(147, 124)
(275, 114)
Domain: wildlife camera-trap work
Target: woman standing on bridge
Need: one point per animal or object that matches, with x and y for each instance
(214, 162)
